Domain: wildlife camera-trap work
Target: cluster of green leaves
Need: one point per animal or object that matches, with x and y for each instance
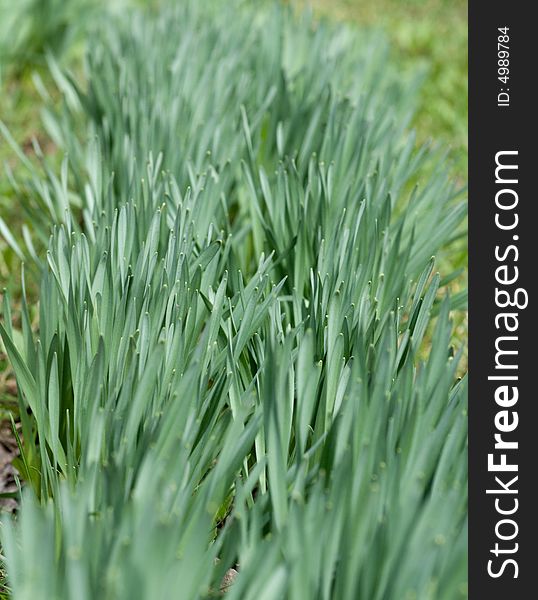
(233, 302)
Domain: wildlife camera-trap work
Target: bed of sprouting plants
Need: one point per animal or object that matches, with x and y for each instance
(240, 356)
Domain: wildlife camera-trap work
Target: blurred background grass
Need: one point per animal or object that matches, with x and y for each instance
(429, 35)
(425, 34)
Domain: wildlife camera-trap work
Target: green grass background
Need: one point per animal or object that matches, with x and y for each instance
(429, 35)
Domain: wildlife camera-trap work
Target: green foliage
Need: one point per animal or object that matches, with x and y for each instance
(30, 28)
(232, 310)
(427, 33)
